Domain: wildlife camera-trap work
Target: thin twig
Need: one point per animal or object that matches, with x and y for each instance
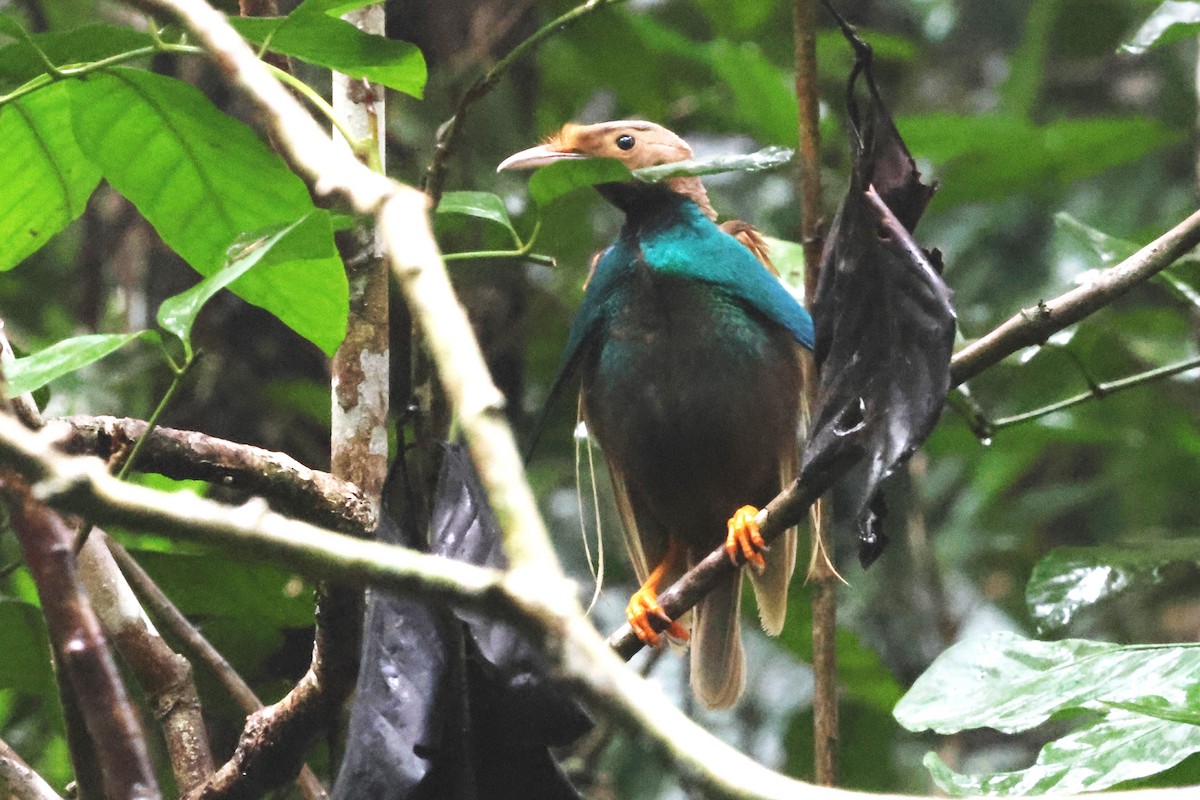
(1097, 392)
(450, 130)
(164, 676)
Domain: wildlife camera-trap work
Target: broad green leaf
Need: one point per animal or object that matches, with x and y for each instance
(19, 62)
(1121, 746)
(177, 314)
(481, 205)
(203, 179)
(1010, 683)
(767, 158)
(552, 182)
(35, 371)
(211, 585)
(47, 178)
(1170, 22)
(985, 157)
(1071, 579)
(1156, 707)
(310, 34)
(764, 100)
(25, 656)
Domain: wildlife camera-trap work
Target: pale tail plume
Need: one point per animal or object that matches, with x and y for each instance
(584, 442)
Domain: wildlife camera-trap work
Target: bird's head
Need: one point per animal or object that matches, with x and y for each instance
(634, 143)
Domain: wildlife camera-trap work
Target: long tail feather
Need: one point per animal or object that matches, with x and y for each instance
(718, 663)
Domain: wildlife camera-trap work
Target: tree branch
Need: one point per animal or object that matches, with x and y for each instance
(579, 656)
(18, 781)
(199, 647)
(80, 650)
(164, 675)
(1034, 325)
(291, 487)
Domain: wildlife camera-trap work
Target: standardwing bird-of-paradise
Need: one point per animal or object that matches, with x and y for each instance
(689, 352)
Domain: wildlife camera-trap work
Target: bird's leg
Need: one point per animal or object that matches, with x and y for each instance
(744, 538)
(644, 602)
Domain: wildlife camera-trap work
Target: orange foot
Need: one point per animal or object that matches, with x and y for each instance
(642, 606)
(744, 538)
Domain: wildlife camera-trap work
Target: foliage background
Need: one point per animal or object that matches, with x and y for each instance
(1023, 110)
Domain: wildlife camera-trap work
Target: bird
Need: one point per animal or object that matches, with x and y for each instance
(689, 354)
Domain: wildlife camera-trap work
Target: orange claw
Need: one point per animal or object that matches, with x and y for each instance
(644, 603)
(744, 538)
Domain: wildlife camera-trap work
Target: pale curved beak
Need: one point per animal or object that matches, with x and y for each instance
(538, 156)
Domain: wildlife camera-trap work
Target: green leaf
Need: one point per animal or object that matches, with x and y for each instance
(33, 372)
(985, 157)
(210, 585)
(1120, 747)
(1071, 579)
(19, 62)
(177, 314)
(25, 657)
(1112, 250)
(203, 179)
(47, 178)
(767, 158)
(310, 34)
(1170, 22)
(1010, 683)
(763, 96)
(1158, 708)
(552, 182)
(481, 205)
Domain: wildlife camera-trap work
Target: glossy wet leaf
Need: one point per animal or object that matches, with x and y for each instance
(1008, 682)
(311, 34)
(1139, 701)
(767, 158)
(552, 182)
(1170, 22)
(35, 371)
(481, 205)
(1121, 746)
(203, 179)
(47, 178)
(1071, 579)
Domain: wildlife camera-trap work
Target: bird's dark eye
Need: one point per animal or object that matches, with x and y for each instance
(625, 141)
